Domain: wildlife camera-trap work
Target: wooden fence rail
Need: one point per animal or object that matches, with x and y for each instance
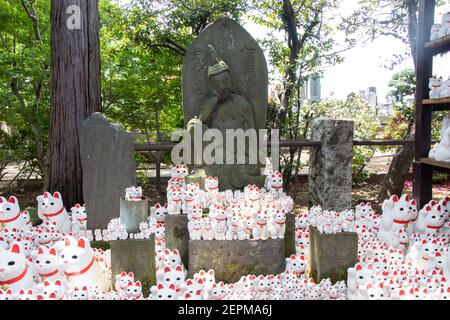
(153, 147)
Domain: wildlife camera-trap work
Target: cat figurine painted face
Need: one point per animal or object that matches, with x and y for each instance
(52, 291)
(133, 193)
(159, 212)
(169, 275)
(10, 216)
(180, 171)
(78, 265)
(133, 291)
(164, 292)
(80, 293)
(211, 184)
(79, 218)
(51, 209)
(435, 86)
(274, 182)
(122, 281)
(46, 264)
(435, 29)
(445, 25)
(15, 274)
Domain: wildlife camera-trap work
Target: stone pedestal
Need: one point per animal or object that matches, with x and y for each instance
(132, 213)
(137, 256)
(107, 157)
(332, 254)
(177, 235)
(231, 260)
(289, 235)
(330, 165)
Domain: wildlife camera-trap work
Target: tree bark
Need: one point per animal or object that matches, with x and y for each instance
(394, 181)
(75, 92)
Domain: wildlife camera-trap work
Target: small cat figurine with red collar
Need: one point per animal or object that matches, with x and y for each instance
(51, 209)
(277, 225)
(52, 291)
(260, 228)
(79, 218)
(133, 291)
(15, 273)
(46, 264)
(174, 200)
(122, 281)
(133, 193)
(78, 265)
(274, 182)
(10, 215)
(212, 184)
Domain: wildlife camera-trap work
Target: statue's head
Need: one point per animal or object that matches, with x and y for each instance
(222, 83)
(219, 74)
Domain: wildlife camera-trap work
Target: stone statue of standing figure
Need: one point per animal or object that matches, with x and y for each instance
(225, 87)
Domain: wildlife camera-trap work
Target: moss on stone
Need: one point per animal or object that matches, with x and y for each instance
(104, 245)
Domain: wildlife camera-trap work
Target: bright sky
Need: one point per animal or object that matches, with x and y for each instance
(363, 65)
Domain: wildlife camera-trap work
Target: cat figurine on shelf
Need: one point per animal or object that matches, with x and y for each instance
(435, 86)
(207, 230)
(442, 151)
(445, 25)
(10, 215)
(51, 209)
(435, 29)
(445, 91)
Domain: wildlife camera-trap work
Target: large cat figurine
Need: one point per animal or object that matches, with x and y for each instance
(15, 273)
(78, 265)
(51, 209)
(10, 215)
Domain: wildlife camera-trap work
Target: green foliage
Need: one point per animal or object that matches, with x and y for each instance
(24, 78)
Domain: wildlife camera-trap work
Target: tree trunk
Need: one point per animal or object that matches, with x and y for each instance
(75, 91)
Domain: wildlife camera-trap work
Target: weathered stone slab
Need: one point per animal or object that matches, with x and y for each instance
(289, 235)
(137, 256)
(132, 213)
(330, 165)
(107, 157)
(233, 259)
(332, 254)
(177, 236)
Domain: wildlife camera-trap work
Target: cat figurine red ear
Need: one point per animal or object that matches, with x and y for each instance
(79, 266)
(15, 272)
(10, 215)
(51, 209)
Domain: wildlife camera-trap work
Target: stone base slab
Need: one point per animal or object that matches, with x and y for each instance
(236, 258)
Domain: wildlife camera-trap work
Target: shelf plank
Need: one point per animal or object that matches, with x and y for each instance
(436, 101)
(440, 42)
(440, 45)
(435, 163)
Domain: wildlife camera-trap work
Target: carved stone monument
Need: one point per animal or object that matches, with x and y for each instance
(225, 87)
(107, 157)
